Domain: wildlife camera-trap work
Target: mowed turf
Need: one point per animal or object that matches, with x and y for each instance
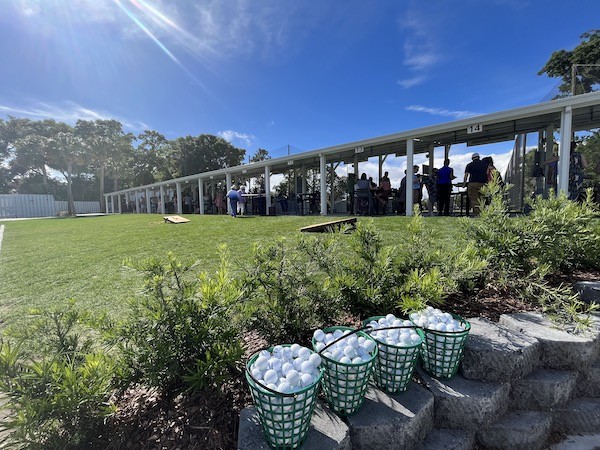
(47, 261)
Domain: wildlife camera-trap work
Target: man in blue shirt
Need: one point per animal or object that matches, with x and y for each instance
(476, 178)
(444, 188)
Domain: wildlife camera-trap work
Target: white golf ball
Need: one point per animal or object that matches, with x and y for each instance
(304, 352)
(293, 377)
(315, 360)
(271, 376)
(261, 363)
(306, 379)
(295, 349)
(319, 335)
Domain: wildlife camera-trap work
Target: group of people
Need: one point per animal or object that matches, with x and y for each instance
(370, 198)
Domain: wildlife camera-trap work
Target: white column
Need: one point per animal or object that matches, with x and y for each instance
(323, 179)
(137, 203)
(267, 189)
(548, 148)
(332, 187)
(303, 179)
(201, 195)
(112, 204)
(106, 210)
(148, 201)
(564, 157)
(410, 162)
(227, 187)
(162, 199)
(178, 206)
(356, 174)
(120, 207)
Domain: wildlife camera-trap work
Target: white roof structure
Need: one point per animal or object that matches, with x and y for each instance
(581, 112)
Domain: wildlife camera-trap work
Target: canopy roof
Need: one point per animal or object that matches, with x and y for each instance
(496, 127)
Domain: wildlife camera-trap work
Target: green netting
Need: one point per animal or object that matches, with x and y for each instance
(394, 365)
(345, 385)
(441, 352)
(284, 418)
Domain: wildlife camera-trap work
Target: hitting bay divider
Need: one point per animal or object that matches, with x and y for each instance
(521, 381)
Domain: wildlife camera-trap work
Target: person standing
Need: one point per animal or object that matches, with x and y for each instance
(242, 200)
(475, 178)
(232, 195)
(417, 188)
(444, 188)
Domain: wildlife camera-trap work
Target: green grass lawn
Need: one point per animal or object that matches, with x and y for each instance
(44, 262)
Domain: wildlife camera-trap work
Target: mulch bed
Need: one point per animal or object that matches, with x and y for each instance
(210, 420)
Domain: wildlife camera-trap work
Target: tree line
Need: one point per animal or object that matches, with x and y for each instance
(99, 155)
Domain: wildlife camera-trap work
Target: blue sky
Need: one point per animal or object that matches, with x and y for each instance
(267, 74)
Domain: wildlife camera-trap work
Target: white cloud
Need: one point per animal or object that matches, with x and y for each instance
(68, 112)
(231, 136)
(420, 49)
(442, 112)
(410, 82)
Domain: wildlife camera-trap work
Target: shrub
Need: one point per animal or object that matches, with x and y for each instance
(567, 232)
(181, 333)
(289, 288)
(369, 277)
(57, 398)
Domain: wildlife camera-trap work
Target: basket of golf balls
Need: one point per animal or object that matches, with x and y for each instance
(348, 359)
(399, 345)
(444, 340)
(284, 382)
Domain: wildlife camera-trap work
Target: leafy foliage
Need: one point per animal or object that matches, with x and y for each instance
(586, 55)
(288, 290)
(180, 334)
(59, 398)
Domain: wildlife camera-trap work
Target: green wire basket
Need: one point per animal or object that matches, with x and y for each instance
(285, 418)
(345, 385)
(442, 351)
(395, 364)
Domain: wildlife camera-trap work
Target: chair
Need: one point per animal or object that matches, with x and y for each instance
(364, 202)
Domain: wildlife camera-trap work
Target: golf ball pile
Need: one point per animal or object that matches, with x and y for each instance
(286, 369)
(350, 350)
(401, 337)
(398, 349)
(434, 319)
(442, 353)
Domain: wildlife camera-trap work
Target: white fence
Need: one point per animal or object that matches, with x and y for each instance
(15, 206)
(80, 207)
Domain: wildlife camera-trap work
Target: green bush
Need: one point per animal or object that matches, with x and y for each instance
(568, 235)
(181, 332)
(57, 388)
(369, 277)
(289, 288)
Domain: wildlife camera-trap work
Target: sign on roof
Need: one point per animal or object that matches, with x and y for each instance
(475, 128)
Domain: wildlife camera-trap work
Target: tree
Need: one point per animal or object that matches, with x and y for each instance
(585, 57)
(150, 158)
(34, 147)
(191, 155)
(70, 153)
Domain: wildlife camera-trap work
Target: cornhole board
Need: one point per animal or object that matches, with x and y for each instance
(175, 219)
(329, 226)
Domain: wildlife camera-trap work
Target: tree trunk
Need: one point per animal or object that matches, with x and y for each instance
(102, 205)
(70, 202)
(45, 176)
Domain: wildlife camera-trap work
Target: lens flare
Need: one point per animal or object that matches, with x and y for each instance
(145, 29)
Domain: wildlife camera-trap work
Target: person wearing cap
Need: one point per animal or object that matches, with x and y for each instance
(475, 179)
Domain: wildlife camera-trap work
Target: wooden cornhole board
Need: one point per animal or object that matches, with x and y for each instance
(175, 219)
(329, 226)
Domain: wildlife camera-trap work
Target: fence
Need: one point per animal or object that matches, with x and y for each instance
(80, 207)
(15, 206)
